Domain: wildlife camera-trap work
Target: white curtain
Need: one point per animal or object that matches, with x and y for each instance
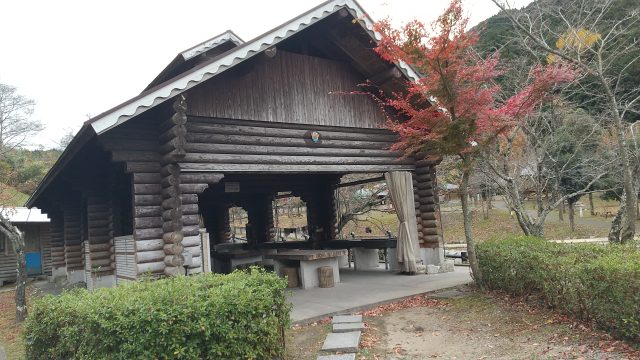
(400, 186)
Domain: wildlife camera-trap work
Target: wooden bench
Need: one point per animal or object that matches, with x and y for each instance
(308, 262)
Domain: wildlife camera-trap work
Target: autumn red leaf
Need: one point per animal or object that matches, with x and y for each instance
(453, 107)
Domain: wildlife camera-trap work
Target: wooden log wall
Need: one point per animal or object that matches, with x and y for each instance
(173, 141)
(226, 145)
(73, 242)
(426, 203)
(148, 244)
(191, 186)
(135, 144)
(56, 231)
(100, 259)
(164, 199)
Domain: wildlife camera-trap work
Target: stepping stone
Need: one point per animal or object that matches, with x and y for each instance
(351, 356)
(343, 342)
(341, 319)
(347, 327)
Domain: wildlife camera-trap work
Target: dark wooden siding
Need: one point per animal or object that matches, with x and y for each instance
(36, 239)
(228, 145)
(135, 144)
(7, 261)
(288, 88)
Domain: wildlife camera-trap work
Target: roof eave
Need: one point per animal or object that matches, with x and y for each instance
(234, 56)
(82, 137)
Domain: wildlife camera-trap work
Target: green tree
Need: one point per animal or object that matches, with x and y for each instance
(601, 39)
(454, 108)
(16, 125)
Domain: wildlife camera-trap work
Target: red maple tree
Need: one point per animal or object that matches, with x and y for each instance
(453, 109)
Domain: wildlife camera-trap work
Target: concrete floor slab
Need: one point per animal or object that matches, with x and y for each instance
(351, 356)
(341, 319)
(365, 289)
(346, 327)
(343, 342)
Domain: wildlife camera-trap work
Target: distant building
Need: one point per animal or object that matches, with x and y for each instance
(35, 226)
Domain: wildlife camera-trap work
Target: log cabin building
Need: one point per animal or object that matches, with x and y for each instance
(230, 123)
(37, 245)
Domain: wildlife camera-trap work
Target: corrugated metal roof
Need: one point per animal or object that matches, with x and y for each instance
(210, 44)
(189, 55)
(24, 215)
(173, 87)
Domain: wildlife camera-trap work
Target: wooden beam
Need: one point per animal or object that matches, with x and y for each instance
(293, 160)
(359, 182)
(362, 143)
(385, 76)
(286, 150)
(265, 131)
(284, 168)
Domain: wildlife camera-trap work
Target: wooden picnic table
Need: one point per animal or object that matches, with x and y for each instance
(308, 262)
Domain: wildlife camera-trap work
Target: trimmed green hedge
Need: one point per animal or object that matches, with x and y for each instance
(591, 282)
(238, 316)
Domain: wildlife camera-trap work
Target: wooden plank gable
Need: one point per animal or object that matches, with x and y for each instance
(289, 88)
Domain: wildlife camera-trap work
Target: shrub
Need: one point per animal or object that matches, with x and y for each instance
(599, 283)
(238, 316)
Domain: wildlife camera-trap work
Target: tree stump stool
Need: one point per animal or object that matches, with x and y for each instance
(291, 273)
(325, 277)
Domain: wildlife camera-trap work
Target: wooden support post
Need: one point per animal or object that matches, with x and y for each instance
(260, 214)
(172, 225)
(99, 253)
(56, 228)
(73, 238)
(321, 211)
(428, 211)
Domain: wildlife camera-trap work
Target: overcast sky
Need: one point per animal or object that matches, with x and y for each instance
(79, 58)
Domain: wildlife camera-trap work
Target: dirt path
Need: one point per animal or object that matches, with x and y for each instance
(463, 324)
(469, 325)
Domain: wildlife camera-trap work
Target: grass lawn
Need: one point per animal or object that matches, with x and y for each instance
(11, 196)
(377, 221)
(465, 324)
(499, 224)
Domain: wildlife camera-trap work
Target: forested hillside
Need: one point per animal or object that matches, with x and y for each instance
(21, 170)
(498, 33)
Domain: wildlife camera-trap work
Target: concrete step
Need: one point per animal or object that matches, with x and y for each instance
(341, 319)
(343, 342)
(351, 356)
(347, 327)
